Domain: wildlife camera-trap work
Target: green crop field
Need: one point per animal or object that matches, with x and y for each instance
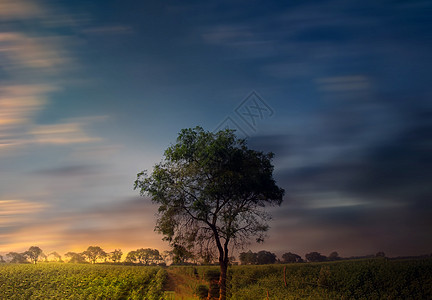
(80, 281)
(357, 279)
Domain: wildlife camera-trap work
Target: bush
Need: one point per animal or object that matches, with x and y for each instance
(202, 291)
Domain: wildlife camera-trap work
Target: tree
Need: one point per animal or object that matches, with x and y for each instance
(248, 258)
(116, 255)
(16, 258)
(132, 257)
(144, 256)
(165, 256)
(212, 190)
(291, 258)
(315, 257)
(93, 253)
(56, 256)
(180, 255)
(43, 257)
(33, 253)
(266, 257)
(380, 254)
(334, 256)
(2, 261)
(75, 257)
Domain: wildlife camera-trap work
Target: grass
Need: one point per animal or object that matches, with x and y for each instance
(360, 279)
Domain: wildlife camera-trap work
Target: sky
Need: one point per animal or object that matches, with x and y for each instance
(93, 92)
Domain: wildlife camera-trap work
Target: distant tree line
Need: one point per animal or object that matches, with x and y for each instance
(266, 257)
(95, 254)
(177, 256)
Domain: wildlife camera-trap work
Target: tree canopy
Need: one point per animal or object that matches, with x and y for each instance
(33, 253)
(145, 256)
(315, 257)
(93, 253)
(211, 190)
(291, 258)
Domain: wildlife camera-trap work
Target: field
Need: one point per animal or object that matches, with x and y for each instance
(77, 281)
(360, 279)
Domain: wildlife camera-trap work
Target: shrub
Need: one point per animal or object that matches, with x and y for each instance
(202, 291)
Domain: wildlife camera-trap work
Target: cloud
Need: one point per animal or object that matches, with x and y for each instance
(124, 223)
(30, 59)
(246, 39)
(19, 103)
(19, 9)
(67, 171)
(18, 106)
(61, 134)
(227, 34)
(13, 212)
(108, 30)
(343, 83)
(24, 52)
(360, 184)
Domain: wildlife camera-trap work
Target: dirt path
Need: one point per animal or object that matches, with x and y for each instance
(181, 285)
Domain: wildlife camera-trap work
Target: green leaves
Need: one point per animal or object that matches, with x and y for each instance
(73, 281)
(211, 190)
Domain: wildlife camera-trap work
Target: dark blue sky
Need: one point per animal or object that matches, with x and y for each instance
(92, 92)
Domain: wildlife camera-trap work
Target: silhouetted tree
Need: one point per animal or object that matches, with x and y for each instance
(116, 255)
(334, 256)
(1, 259)
(33, 253)
(132, 257)
(315, 257)
(210, 186)
(93, 253)
(180, 254)
(75, 257)
(144, 256)
(43, 257)
(57, 257)
(148, 256)
(16, 258)
(248, 258)
(291, 258)
(165, 256)
(380, 254)
(266, 257)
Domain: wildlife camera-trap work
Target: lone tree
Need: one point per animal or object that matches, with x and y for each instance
(212, 191)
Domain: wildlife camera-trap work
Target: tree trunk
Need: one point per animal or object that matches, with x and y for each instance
(222, 279)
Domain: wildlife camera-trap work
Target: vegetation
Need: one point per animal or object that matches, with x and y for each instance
(212, 190)
(261, 258)
(80, 281)
(93, 253)
(143, 256)
(376, 278)
(353, 279)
